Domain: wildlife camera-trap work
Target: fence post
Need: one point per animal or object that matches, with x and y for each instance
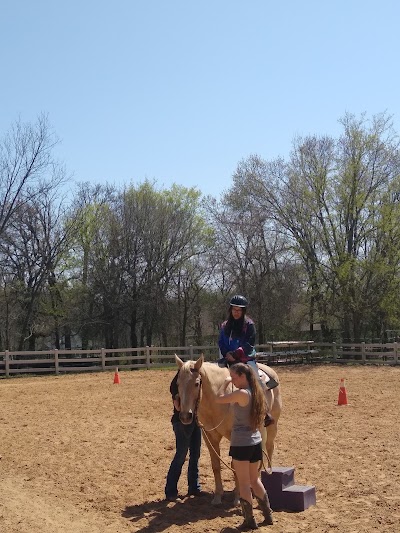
(191, 352)
(103, 358)
(363, 357)
(148, 357)
(396, 353)
(7, 363)
(334, 351)
(56, 364)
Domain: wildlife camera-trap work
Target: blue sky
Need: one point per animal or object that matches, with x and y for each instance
(181, 91)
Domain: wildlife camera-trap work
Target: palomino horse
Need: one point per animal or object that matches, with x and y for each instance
(198, 385)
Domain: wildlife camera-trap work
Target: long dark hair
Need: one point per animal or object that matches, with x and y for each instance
(258, 405)
(234, 327)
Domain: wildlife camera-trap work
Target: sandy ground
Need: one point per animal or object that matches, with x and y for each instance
(82, 455)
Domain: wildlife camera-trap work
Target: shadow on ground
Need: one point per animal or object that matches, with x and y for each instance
(162, 514)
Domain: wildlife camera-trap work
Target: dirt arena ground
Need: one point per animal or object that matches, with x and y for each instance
(82, 455)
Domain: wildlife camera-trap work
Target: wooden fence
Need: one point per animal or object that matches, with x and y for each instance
(289, 352)
(273, 353)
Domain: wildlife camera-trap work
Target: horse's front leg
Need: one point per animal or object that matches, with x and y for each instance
(213, 444)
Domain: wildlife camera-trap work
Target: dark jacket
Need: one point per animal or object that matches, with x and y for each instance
(242, 347)
(173, 389)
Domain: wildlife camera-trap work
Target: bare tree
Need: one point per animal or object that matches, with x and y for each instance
(26, 160)
(330, 200)
(253, 258)
(31, 249)
(30, 178)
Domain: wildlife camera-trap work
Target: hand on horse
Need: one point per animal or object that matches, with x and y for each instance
(224, 386)
(230, 358)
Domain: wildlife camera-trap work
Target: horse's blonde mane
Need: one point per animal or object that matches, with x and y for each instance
(213, 375)
(187, 367)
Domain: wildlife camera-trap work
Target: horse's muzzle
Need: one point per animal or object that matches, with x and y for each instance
(186, 417)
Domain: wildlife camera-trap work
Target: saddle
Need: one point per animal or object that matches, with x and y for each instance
(268, 381)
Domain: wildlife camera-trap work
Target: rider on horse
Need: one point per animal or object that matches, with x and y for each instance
(237, 338)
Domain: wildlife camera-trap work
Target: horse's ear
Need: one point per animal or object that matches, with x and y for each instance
(199, 362)
(179, 362)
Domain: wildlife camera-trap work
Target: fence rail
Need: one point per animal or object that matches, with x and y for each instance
(272, 353)
(314, 352)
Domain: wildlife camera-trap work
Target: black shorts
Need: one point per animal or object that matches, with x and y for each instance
(246, 453)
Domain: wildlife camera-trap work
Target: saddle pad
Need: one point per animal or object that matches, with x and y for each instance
(268, 381)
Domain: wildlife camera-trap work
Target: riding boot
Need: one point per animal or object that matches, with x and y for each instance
(266, 509)
(249, 520)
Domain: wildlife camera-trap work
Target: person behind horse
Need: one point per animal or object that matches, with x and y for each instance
(187, 439)
(237, 338)
(246, 448)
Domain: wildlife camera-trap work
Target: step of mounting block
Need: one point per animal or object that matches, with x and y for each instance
(298, 497)
(280, 477)
(283, 494)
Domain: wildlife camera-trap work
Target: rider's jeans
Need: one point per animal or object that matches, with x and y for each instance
(187, 438)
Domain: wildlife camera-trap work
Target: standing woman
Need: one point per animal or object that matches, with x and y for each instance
(246, 449)
(187, 439)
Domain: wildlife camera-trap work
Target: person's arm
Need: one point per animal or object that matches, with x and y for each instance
(247, 343)
(223, 344)
(223, 347)
(239, 396)
(249, 339)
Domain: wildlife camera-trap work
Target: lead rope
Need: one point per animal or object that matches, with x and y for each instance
(269, 469)
(204, 430)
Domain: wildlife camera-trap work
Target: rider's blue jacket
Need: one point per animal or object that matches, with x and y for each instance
(242, 347)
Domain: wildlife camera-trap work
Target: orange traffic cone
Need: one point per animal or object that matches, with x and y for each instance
(116, 377)
(342, 400)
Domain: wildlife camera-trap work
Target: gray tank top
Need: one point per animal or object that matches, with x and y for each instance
(242, 434)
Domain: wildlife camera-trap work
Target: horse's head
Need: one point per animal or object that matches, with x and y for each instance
(189, 384)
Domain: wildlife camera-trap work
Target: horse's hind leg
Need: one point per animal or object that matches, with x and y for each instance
(272, 430)
(212, 442)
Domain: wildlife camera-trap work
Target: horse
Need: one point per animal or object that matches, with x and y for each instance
(198, 384)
